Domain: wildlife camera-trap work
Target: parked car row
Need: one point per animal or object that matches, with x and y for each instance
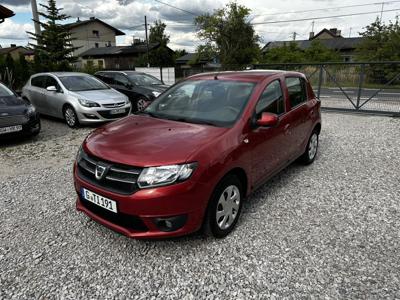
(77, 98)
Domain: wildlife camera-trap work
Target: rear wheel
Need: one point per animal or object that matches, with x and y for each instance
(312, 147)
(141, 104)
(224, 207)
(70, 117)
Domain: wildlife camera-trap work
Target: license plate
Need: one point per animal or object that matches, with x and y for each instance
(117, 111)
(101, 201)
(9, 129)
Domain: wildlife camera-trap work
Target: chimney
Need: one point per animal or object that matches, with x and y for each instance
(339, 33)
(311, 35)
(334, 31)
(136, 41)
(78, 20)
(13, 45)
(92, 18)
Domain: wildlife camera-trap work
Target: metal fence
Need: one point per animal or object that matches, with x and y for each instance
(372, 87)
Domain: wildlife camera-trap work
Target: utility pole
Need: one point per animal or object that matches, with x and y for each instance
(35, 17)
(147, 41)
(350, 31)
(383, 4)
(312, 26)
(294, 35)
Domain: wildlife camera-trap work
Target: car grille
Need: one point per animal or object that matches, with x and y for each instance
(120, 179)
(113, 105)
(107, 114)
(120, 219)
(13, 120)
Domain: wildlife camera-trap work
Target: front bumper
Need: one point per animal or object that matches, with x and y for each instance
(146, 213)
(31, 127)
(88, 115)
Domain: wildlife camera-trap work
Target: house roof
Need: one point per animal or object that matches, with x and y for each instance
(190, 56)
(5, 12)
(118, 50)
(93, 20)
(333, 34)
(339, 44)
(4, 51)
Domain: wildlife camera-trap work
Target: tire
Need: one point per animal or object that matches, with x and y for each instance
(222, 216)
(141, 103)
(37, 132)
(310, 153)
(70, 116)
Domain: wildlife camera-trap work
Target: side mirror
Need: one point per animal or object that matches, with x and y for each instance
(51, 88)
(268, 120)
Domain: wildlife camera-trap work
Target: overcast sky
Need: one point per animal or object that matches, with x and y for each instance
(126, 14)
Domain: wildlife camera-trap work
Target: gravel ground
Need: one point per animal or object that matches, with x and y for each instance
(329, 230)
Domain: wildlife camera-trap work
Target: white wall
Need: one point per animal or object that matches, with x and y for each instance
(168, 74)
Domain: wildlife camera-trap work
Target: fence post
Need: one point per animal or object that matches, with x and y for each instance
(321, 70)
(360, 85)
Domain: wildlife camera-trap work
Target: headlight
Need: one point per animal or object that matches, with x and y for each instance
(165, 175)
(156, 94)
(31, 110)
(88, 103)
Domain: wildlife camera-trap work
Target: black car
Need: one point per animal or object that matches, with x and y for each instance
(17, 117)
(141, 88)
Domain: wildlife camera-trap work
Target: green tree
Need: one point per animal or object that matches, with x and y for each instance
(318, 52)
(179, 53)
(205, 52)
(161, 56)
(381, 42)
(287, 53)
(232, 35)
(53, 48)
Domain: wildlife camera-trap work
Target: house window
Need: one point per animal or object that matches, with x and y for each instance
(96, 45)
(100, 63)
(96, 33)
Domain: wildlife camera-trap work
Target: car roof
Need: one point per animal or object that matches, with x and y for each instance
(61, 74)
(250, 75)
(121, 71)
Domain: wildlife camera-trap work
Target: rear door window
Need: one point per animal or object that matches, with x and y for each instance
(297, 90)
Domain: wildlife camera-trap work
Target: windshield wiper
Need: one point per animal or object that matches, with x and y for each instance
(186, 120)
(148, 113)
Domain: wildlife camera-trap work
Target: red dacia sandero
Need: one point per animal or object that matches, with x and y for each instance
(190, 158)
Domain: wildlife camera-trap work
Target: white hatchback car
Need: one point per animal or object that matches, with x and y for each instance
(78, 98)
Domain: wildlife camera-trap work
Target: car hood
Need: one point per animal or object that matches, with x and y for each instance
(144, 141)
(11, 105)
(101, 96)
(155, 88)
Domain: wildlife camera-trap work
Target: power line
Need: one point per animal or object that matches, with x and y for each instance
(329, 8)
(186, 11)
(326, 17)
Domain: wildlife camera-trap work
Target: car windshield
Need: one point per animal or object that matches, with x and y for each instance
(5, 91)
(77, 83)
(143, 79)
(213, 102)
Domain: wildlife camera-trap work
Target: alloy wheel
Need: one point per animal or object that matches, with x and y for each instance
(141, 104)
(313, 146)
(228, 207)
(70, 117)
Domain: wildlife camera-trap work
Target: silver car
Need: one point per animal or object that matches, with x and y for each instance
(78, 98)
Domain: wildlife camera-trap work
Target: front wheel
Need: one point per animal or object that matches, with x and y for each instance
(311, 151)
(224, 207)
(71, 117)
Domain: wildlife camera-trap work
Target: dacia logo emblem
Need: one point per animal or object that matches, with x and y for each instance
(100, 172)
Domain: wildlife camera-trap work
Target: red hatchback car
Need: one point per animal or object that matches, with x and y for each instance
(189, 159)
